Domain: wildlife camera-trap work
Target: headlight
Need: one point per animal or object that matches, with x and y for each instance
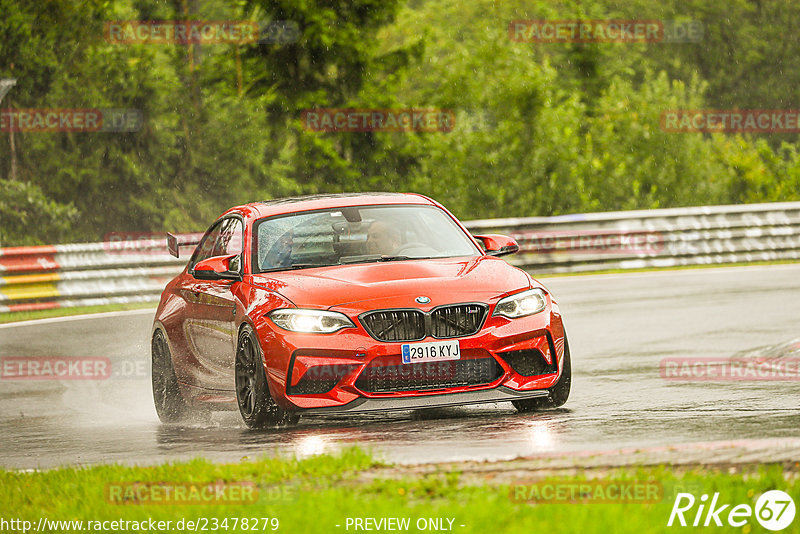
(310, 321)
(521, 304)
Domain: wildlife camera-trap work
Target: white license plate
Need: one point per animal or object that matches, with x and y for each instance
(434, 351)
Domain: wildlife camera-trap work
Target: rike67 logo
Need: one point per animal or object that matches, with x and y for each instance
(774, 510)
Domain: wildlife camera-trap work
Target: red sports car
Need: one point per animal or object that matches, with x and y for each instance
(352, 303)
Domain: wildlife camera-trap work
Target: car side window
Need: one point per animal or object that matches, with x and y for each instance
(230, 238)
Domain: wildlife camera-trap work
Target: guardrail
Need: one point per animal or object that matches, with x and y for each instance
(85, 274)
(136, 270)
(673, 237)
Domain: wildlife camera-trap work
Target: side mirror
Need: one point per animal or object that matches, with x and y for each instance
(218, 268)
(174, 243)
(498, 245)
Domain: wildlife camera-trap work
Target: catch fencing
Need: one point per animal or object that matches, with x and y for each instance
(136, 270)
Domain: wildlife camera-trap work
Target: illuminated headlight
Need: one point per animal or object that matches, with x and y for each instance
(521, 304)
(310, 321)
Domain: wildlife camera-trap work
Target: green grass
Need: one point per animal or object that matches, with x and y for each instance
(316, 494)
(77, 310)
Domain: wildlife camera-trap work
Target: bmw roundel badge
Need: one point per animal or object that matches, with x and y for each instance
(422, 300)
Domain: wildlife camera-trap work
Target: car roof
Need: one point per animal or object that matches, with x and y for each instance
(280, 206)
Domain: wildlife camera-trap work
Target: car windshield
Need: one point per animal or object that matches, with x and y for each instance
(357, 235)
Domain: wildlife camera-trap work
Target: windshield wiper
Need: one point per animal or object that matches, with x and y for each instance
(398, 258)
(297, 266)
(376, 259)
(307, 265)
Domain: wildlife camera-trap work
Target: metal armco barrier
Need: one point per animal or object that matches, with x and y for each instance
(136, 270)
(84, 274)
(673, 237)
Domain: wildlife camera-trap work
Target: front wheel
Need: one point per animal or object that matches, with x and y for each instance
(257, 407)
(556, 395)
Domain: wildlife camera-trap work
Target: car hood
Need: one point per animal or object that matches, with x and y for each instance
(397, 284)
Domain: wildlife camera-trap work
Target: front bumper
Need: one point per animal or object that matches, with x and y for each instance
(327, 373)
(366, 404)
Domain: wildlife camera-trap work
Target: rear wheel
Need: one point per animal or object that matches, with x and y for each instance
(556, 395)
(170, 404)
(257, 407)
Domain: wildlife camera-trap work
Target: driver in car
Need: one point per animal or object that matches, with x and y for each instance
(280, 255)
(383, 239)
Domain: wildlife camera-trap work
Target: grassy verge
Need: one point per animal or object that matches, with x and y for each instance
(319, 494)
(78, 310)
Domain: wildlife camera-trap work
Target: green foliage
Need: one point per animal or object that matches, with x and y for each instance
(26, 215)
(556, 128)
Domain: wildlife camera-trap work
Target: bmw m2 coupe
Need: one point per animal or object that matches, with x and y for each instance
(352, 303)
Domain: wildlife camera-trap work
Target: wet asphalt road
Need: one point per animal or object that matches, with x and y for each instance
(620, 328)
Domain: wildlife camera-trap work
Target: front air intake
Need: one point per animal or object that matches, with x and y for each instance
(377, 378)
(529, 362)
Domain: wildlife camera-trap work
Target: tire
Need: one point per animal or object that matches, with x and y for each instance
(257, 408)
(171, 407)
(556, 395)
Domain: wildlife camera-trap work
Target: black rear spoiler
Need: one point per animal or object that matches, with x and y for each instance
(174, 242)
